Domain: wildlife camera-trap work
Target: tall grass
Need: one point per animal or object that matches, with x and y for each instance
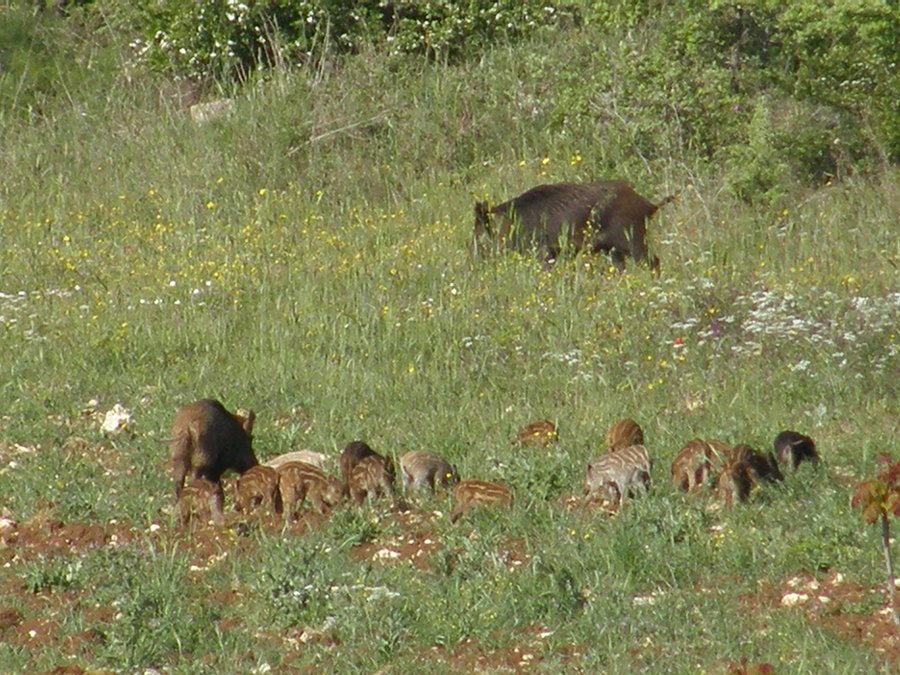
(306, 256)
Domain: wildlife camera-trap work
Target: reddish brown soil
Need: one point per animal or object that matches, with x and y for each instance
(838, 604)
(34, 619)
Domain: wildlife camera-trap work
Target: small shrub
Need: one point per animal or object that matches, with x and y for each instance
(53, 575)
(879, 499)
(296, 589)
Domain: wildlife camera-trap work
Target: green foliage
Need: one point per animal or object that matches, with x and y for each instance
(227, 38)
(844, 54)
(53, 575)
(542, 480)
(776, 91)
(306, 256)
(37, 51)
(353, 527)
(160, 615)
(230, 39)
(444, 28)
(879, 497)
(295, 588)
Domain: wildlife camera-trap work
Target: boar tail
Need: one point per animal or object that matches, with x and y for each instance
(666, 200)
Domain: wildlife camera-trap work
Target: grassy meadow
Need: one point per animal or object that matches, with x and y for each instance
(306, 256)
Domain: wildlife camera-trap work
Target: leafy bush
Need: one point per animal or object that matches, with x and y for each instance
(778, 91)
(843, 53)
(879, 500)
(231, 38)
(443, 27)
(227, 38)
(837, 58)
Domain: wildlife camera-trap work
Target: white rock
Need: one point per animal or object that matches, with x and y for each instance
(206, 112)
(116, 419)
(386, 554)
(793, 599)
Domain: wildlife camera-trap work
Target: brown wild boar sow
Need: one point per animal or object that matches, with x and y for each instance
(299, 481)
(207, 440)
(623, 434)
(256, 486)
(201, 499)
(603, 216)
(425, 469)
(372, 477)
(469, 494)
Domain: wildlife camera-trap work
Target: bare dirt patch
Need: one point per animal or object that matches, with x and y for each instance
(857, 613)
(47, 537)
(415, 543)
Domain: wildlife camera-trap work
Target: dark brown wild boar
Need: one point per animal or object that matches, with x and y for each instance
(607, 216)
(762, 467)
(207, 441)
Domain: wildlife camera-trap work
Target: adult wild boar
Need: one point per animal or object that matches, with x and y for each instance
(606, 216)
(207, 441)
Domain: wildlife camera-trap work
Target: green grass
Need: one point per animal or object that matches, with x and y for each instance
(306, 257)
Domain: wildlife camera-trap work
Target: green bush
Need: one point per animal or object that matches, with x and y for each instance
(843, 53)
(442, 27)
(805, 90)
(37, 53)
(227, 38)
